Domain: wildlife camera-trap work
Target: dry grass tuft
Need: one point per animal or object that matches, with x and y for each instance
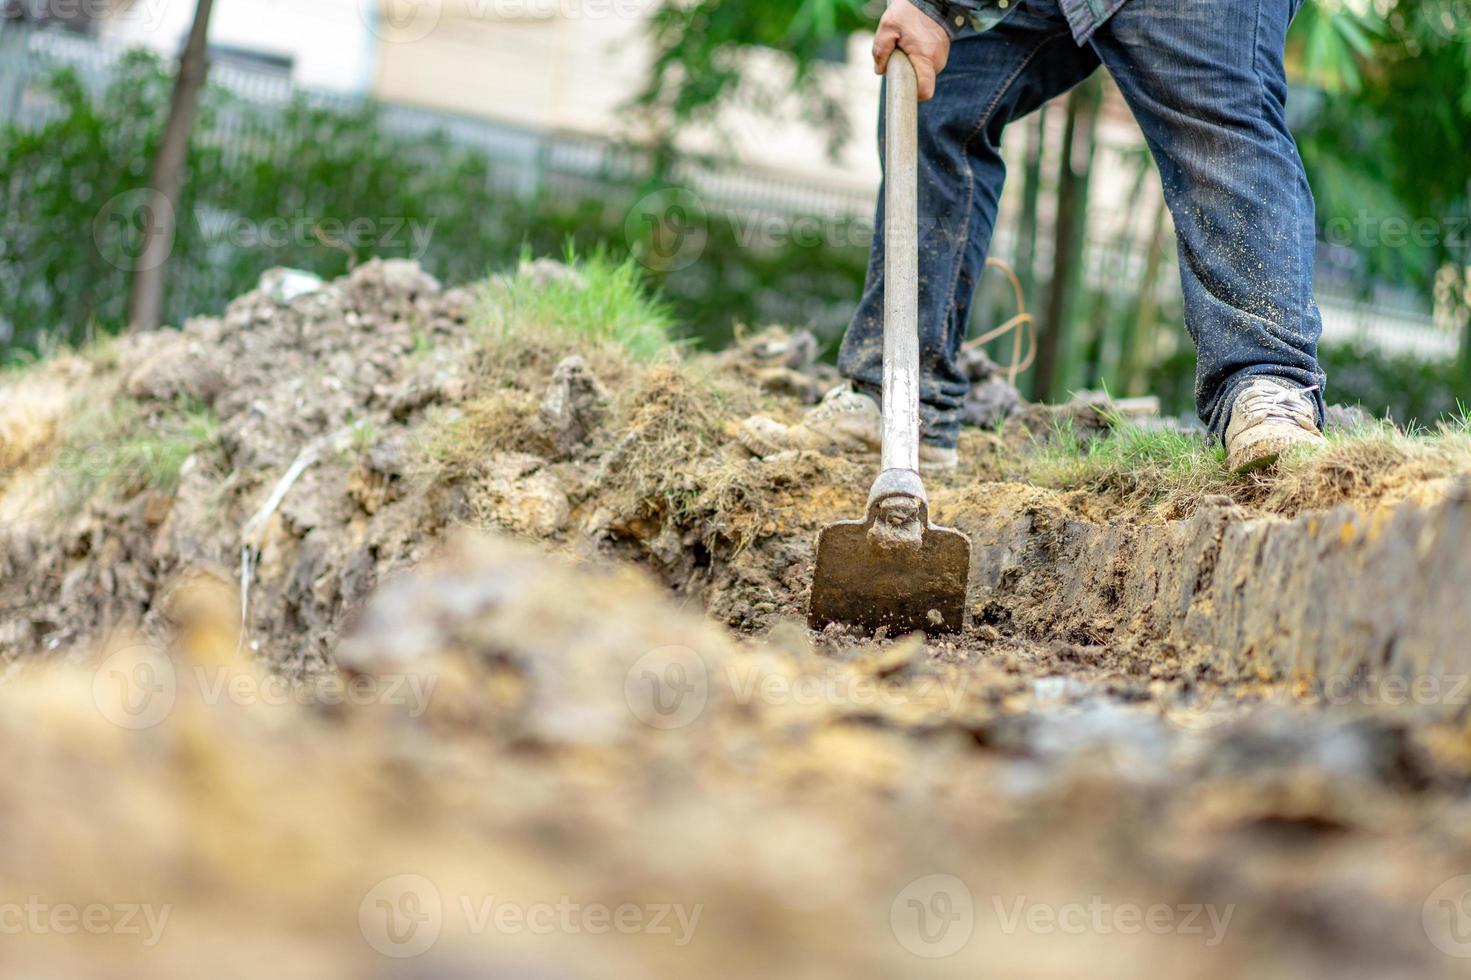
(496, 421)
(669, 462)
(1371, 466)
(524, 326)
(32, 405)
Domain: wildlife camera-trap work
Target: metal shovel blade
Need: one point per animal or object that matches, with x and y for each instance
(870, 583)
(894, 568)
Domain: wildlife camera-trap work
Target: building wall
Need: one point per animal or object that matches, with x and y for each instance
(570, 65)
(328, 41)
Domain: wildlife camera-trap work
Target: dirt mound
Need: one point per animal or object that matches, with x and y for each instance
(333, 437)
(97, 534)
(313, 444)
(319, 443)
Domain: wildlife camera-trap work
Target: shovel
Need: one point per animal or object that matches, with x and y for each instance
(894, 568)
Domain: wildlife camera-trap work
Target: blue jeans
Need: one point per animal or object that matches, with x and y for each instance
(1204, 79)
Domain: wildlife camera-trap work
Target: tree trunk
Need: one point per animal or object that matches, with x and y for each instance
(12, 80)
(1055, 356)
(161, 209)
(1026, 228)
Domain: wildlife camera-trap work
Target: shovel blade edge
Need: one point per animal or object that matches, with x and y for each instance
(859, 582)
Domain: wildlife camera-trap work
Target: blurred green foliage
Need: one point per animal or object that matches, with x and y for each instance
(258, 193)
(56, 183)
(700, 50)
(322, 189)
(1388, 144)
(1386, 138)
(1406, 389)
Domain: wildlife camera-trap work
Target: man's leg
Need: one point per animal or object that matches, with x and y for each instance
(991, 79)
(1206, 83)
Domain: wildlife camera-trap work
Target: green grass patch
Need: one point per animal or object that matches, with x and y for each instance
(1170, 472)
(525, 325)
(1141, 464)
(590, 303)
(121, 447)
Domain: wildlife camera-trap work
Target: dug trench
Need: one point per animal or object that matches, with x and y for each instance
(539, 621)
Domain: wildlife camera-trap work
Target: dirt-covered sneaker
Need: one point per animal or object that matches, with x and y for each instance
(845, 420)
(1270, 416)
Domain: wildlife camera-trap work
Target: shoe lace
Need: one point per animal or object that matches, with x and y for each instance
(1280, 404)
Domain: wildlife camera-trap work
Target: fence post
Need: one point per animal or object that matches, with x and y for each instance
(146, 304)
